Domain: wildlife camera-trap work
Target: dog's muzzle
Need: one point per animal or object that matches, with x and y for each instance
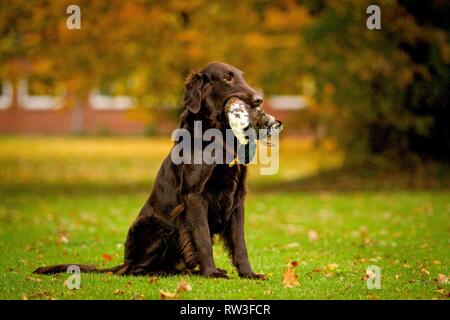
(239, 120)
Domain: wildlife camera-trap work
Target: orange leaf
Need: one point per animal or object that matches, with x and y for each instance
(442, 279)
(184, 286)
(290, 278)
(106, 257)
(424, 271)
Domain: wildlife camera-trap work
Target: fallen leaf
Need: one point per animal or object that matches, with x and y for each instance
(424, 271)
(184, 286)
(268, 292)
(331, 266)
(119, 291)
(441, 279)
(313, 235)
(138, 297)
(64, 239)
(165, 295)
(153, 279)
(368, 274)
(290, 278)
(435, 262)
(441, 291)
(106, 257)
(363, 232)
(34, 279)
(293, 245)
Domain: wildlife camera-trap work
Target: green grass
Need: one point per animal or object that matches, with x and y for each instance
(69, 200)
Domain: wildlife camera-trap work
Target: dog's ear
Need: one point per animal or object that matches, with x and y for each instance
(194, 91)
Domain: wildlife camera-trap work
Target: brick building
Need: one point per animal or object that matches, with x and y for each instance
(25, 113)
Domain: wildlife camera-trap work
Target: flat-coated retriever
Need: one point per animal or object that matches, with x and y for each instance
(190, 203)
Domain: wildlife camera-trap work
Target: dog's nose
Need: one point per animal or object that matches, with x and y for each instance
(257, 100)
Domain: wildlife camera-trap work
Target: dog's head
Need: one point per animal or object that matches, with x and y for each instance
(221, 89)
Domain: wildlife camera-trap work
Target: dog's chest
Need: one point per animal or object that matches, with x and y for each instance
(225, 190)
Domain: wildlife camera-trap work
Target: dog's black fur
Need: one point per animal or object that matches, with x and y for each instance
(190, 203)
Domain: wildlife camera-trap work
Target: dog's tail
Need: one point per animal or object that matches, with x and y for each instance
(62, 268)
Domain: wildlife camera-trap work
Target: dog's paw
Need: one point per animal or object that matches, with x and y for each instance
(218, 273)
(222, 271)
(256, 276)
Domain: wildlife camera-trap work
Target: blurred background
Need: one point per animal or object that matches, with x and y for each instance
(367, 99)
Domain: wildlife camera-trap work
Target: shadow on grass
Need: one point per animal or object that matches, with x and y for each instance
(423, 178)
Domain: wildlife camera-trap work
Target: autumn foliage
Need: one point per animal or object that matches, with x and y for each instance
(375, 91)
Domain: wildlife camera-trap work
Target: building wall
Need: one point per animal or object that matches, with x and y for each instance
(25, 121)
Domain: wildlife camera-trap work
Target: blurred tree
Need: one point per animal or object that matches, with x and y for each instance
(378, 91)
(382, 91)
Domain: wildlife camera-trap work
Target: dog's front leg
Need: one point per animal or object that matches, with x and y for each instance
(235, 243)
(197, 219)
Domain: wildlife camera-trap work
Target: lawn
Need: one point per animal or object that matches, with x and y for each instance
(69, 200)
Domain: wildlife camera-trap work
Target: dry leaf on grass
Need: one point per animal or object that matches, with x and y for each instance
(62, 237)
(442, 279)
(119, 291)
(138, 297)
(153, 280)
(34, 279)
(106, 257)
(368, 274)
(165, 295)
(290, 278)
(293, 245)
(331, 266)
(424, 271)
(442, 292)
(184, 286)
(313, 235)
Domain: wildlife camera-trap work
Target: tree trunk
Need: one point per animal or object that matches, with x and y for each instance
(78, 117)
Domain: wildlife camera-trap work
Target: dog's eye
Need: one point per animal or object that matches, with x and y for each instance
(228, 78)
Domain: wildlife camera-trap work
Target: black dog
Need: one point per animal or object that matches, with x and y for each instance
(190, 203)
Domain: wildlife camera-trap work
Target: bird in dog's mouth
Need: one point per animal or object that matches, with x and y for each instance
(248, 125)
